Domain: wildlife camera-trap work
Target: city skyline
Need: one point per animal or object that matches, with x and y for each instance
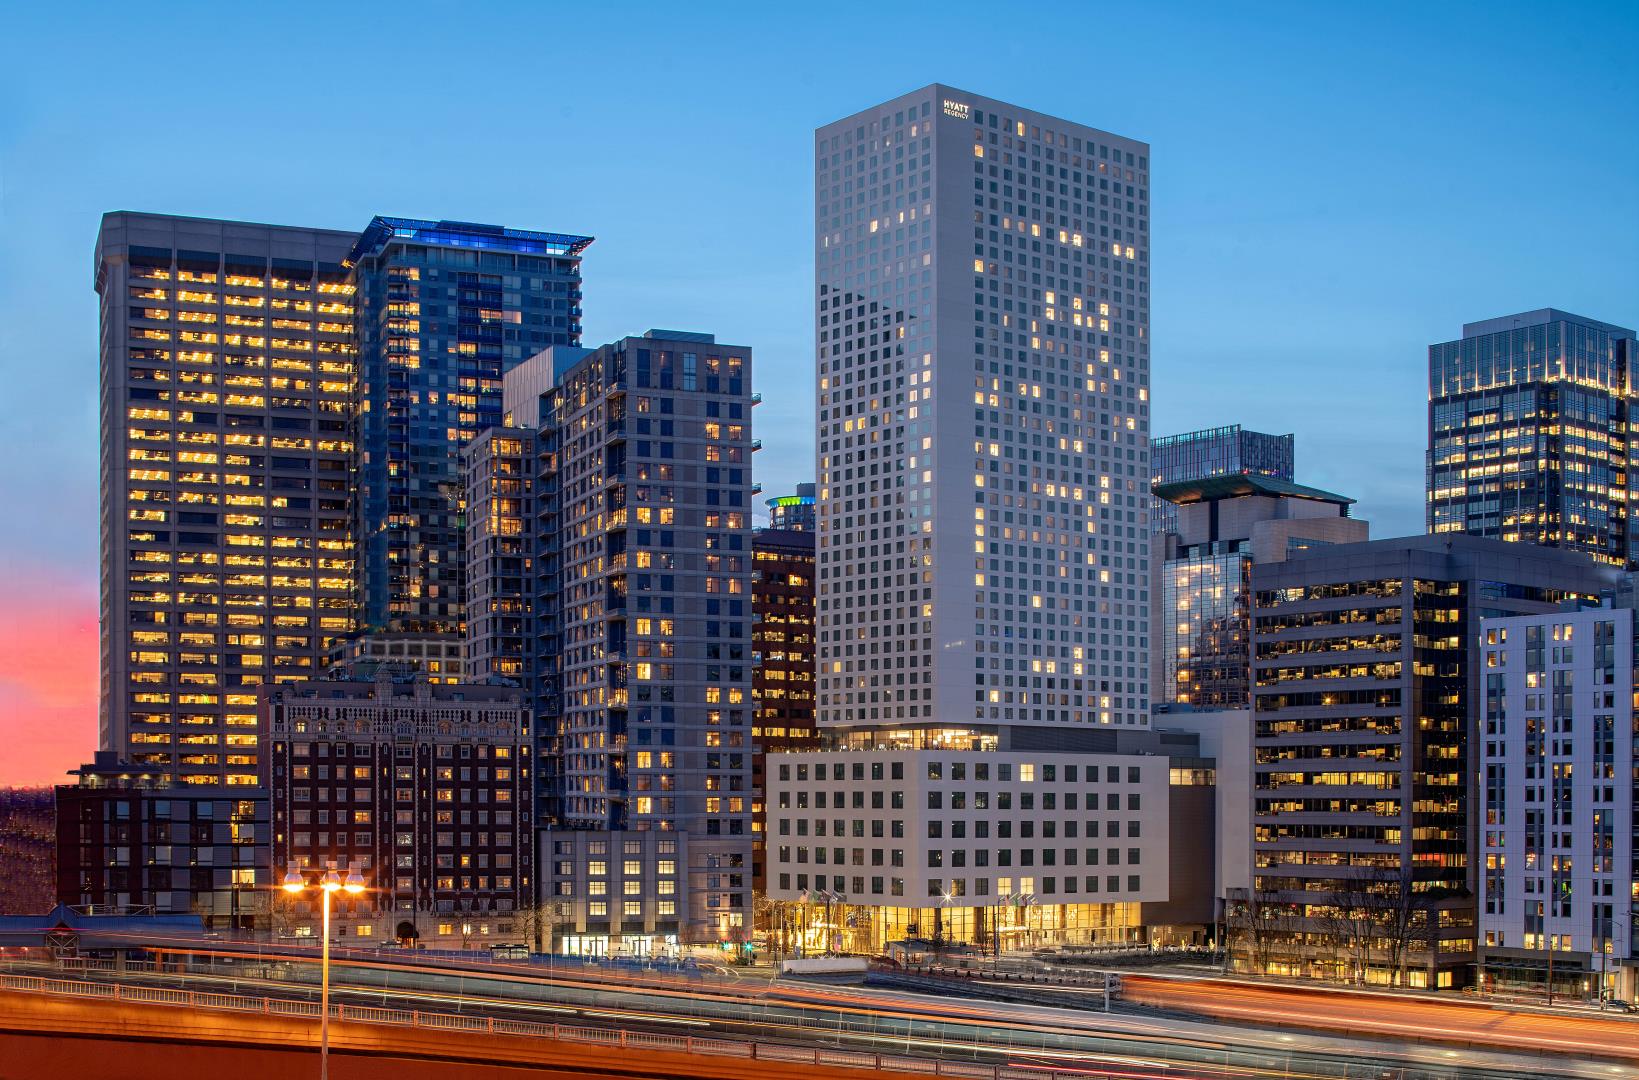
(1315, 240)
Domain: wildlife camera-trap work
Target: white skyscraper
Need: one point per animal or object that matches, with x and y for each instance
(982, 336)
(982, 323)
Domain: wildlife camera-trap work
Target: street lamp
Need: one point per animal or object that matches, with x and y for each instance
(330, 882)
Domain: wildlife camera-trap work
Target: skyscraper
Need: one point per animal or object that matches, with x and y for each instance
(446, 308)
(227, 372)
(1528, 433)
(639, 591)
(982, 336)
(983, 411)
(1221, 451)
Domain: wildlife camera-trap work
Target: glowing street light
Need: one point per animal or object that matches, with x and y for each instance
(330, 882)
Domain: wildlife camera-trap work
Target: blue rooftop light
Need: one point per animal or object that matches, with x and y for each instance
(465, 234)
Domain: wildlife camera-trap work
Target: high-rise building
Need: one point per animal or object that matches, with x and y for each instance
(782, 656)
(499, 467)
(1528, 433)
(1558, 782)
(227, 373)
(1221, 451)
(982, 336)
(792, 512)
(1368, 676)
(445, 310)
(424, 788)
(983, 412)
(640, 591)
(1203, 602)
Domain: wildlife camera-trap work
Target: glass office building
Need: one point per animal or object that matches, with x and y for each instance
(1528, 433)
(1225, 525)
(445, 309)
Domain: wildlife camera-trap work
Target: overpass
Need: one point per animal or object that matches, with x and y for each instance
(509, 1017)
(78, 1028)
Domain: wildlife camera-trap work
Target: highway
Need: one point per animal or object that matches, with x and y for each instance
(1023, 1036)
(1385, 1015)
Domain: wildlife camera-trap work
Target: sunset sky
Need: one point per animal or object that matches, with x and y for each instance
(1334, 188)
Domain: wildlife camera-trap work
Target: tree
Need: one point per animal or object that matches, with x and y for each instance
(774, 918)
(537, 922)
(1254, 920)
(283, 919)
(1348, 922)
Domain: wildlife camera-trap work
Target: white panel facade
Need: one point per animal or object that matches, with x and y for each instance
(1557, 789)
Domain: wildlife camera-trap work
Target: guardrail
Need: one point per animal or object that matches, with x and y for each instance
(611, 1037)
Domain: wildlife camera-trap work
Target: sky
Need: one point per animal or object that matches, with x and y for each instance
(1334, 187)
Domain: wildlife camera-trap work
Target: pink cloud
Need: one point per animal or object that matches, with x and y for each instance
(48, 678)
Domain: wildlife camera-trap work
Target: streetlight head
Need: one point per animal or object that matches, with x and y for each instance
(294, 882)
(331, 882)
(355, 881)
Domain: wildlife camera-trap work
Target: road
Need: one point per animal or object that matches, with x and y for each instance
(1390, 1016)
(896, 1022)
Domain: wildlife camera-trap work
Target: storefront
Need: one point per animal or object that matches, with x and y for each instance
(815, 927)
(645, 946)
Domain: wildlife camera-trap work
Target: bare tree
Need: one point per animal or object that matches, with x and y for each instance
(1255, 920)
(773, 918)
(537, 923)
(281, 915)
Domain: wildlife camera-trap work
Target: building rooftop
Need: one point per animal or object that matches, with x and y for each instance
(467, 234)
(681, 335)
(784, 538)
(1538, 317)
(1236, 485)
(1207, 435)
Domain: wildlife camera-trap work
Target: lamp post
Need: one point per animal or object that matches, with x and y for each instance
(329, 882)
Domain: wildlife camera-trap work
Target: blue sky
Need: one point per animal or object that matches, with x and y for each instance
(1334, 187)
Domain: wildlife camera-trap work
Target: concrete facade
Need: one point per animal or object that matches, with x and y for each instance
(1557, 790)
(930, 843)
(983, 301)
(638, 586)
